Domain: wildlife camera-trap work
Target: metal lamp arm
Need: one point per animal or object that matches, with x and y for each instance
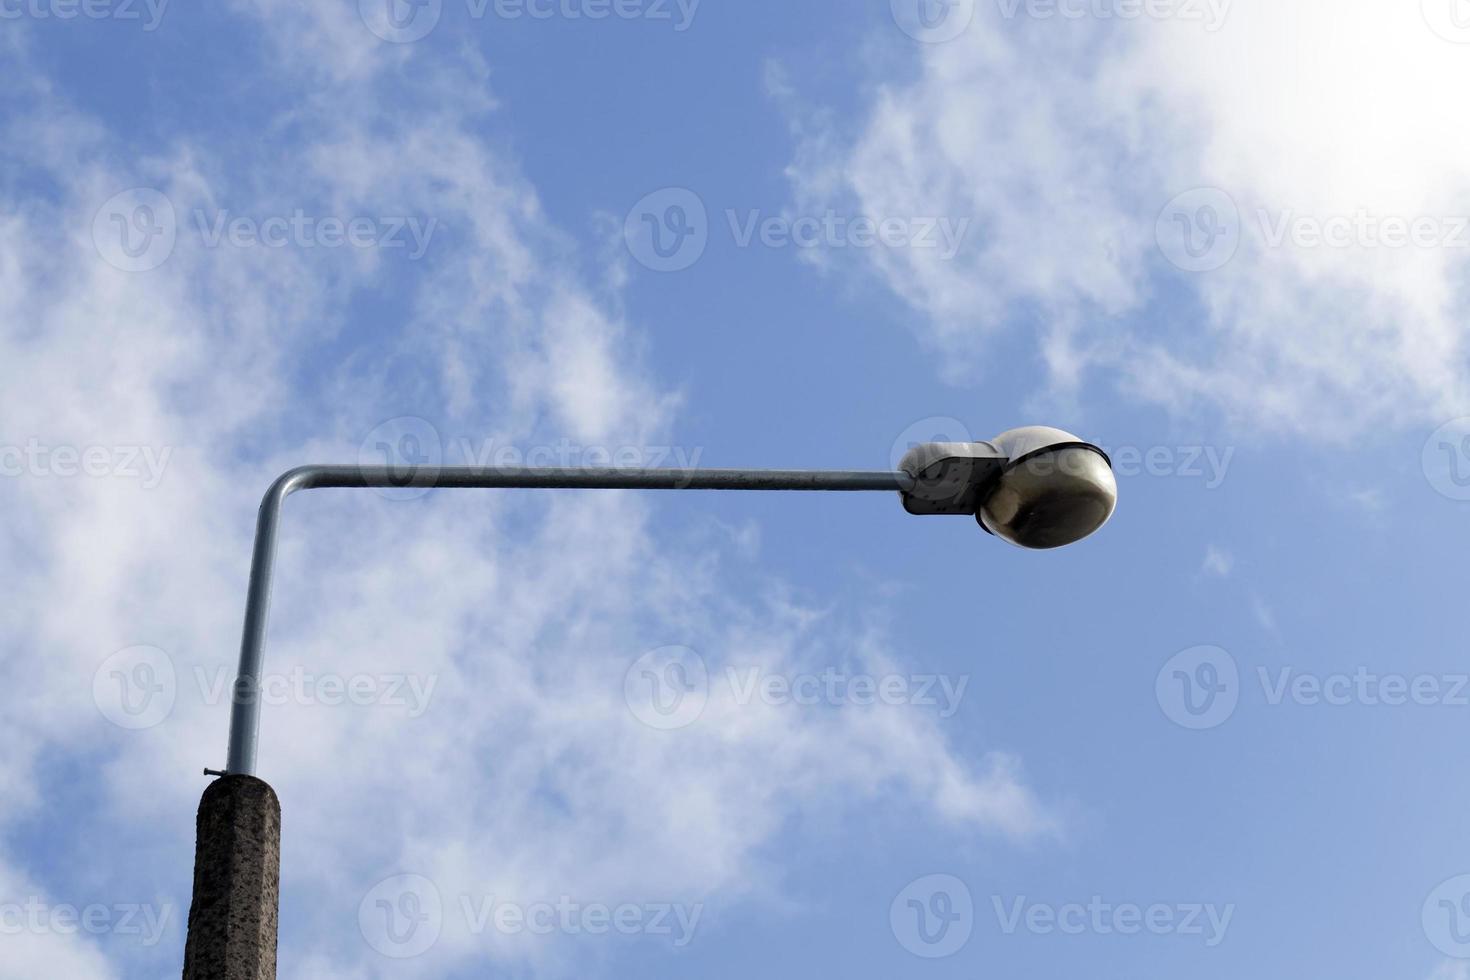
(245, 700)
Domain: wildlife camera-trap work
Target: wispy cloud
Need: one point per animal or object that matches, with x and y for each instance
(529, 776)
(1087, 149)
(1218, 562)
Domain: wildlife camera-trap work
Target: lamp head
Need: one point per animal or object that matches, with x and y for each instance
(1054, 489)
(1036, 487)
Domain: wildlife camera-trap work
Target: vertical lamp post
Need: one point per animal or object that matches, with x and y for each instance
(1035, 487)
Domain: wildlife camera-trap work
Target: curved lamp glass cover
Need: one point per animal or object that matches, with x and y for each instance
(1055, 489)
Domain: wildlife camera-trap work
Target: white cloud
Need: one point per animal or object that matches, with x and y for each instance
(1265, 615)
(45, 938)
(1218, 562)
(529, 776)
(1064, 139)
(1369, 499)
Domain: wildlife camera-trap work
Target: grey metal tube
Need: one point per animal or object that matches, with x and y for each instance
(245, 700)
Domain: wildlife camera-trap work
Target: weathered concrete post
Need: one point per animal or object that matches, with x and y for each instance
(237, 883)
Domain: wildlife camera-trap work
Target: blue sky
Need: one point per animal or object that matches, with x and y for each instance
(1225, 241)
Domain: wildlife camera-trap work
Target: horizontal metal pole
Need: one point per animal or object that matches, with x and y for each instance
(245, 700)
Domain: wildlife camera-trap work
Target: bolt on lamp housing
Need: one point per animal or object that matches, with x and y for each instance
(1036, 487)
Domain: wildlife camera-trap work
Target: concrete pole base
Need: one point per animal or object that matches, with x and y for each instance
(237, 883)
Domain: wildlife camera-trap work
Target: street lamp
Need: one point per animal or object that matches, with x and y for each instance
(1035, 487)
